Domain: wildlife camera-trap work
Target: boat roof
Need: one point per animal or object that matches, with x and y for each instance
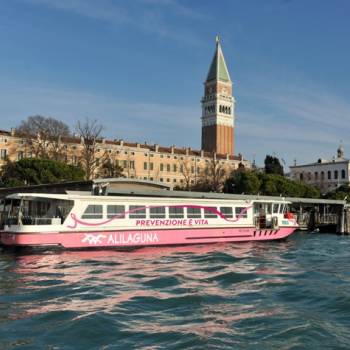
(161, 194)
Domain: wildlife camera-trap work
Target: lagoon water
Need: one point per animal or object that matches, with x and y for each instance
(293, 294)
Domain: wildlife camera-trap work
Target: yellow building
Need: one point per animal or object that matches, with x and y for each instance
(172, 165)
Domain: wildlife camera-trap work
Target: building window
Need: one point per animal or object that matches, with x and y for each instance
(132, 164)
(20, 155)
(168, 167)
(161, 179)
(145, 166)
(343, 174)
(161, 167)
(192, 169)
(329, 174)
(167, 180)
(335, 174)
(3, 154)
(181, 168)
(150, 166)
(322, 175)
(174, 168)
(316, 175)
(301, 176)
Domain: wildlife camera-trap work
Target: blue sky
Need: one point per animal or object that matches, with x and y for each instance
(138, 67)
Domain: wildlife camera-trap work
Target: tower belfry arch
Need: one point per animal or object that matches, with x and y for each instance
(218, 107)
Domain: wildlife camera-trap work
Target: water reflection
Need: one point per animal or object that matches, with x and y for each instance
(86, 282)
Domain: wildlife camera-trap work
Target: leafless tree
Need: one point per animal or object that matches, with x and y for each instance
(90, 133)
(212, 176)
(43, 136)
(186, 171)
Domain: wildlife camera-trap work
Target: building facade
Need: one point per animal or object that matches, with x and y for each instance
(326, 175)
(218, 107)
(172, 165)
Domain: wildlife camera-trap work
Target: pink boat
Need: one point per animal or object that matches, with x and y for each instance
(99, 221)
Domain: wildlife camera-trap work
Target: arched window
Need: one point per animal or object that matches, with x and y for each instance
(316, 175)
(329, 174)
(220, 109)
(335, 174)
(343, 174)
(322, 175)
(301, 176)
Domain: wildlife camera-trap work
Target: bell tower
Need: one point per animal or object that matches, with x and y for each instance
(218, 107)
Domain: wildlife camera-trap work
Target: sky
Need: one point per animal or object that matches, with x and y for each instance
(138, 67)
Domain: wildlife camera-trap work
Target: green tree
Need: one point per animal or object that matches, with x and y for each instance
(35, 171)
(241, 181)
(273, 165)
(111, 169)
(341, 193)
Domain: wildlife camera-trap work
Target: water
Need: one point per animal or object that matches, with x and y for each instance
(277, 295)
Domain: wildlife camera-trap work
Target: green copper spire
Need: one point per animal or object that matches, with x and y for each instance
(218, 69)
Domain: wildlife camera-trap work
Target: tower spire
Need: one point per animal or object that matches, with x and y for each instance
(218, 107)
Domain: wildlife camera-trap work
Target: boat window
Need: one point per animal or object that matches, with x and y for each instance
(275, 208)
(137, 212)
(281, 208)
(93, 211)
(157, 212)
(194, 213)
(115, 211)
(241, 212)
(210, 213)
(227, 212)
(176, 212)
(44, 211)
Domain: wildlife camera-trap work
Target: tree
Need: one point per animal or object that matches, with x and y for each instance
(111, 169)
(185, 167)
(43, 136)
(241, 181)
(35, 171)
(341, 193)
(273, 165)
(252, 182)
(90, 133)
(212, 176)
